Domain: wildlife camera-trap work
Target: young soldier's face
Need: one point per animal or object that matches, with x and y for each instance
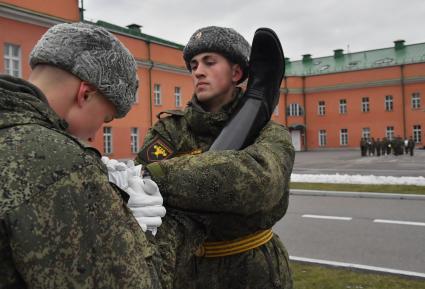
(214, 78)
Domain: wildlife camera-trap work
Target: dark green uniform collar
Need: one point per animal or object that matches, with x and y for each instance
(22, 102)
(203, 122)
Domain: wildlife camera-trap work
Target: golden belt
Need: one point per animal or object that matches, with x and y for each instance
(232, 247)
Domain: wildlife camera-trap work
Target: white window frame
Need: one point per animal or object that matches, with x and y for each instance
(389, 103)
(390, 132)
(322, 138)
(134, 140)
(343, 136)
(321, 107)
(136, 101)
(157, 100)
(365, 132)
(416, 100)
(343, 106)
(107, 140)
(294, 109)
(10, 59)
(177, 96)
(276, 110)
(365, 104)
(417, 133)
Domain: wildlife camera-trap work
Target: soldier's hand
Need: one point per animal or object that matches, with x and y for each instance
(117, 172)
(145, 203)
(132, 170)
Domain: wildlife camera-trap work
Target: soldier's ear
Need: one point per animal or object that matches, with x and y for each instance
(237, 73)
(84, 94)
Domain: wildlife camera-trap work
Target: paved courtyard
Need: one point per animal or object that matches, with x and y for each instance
(350, 162)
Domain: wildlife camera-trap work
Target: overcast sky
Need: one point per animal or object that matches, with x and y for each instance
(303, 26)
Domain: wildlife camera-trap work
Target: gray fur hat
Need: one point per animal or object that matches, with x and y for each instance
(222, 40)
(94, 55)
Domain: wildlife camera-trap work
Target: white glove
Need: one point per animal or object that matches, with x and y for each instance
(119, 172)
(132, 170)
(145, 203)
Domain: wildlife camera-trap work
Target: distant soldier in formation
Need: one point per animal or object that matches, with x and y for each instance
(373, 147)
(363, 146)
(398, 146)
(406, 146)
(378, 145)
(369, 147)
(389, 147)
(411, 146)
(384, 145)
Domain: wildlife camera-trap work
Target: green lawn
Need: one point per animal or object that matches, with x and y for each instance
(309, 276)
(401, 189)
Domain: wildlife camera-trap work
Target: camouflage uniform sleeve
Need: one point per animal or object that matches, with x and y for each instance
(78, 233)
(243, 182)
(150, 135)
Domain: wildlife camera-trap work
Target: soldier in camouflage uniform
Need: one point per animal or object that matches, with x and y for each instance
(62, 224)
(237, 195)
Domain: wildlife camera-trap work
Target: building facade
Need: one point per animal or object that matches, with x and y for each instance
(331, 102)
(328, 102)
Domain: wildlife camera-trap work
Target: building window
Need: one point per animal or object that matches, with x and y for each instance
(178, 96)
(157, 94)
(390, 132)
(416, 100)
(294, 109)
(342, 106)
(12, 60)
(136, 100)
(107, 140)
(134, 141)
(276, 110)
(343, 137)
(366, 132)
(322, 137)
(389, 103)
(417, 134)
(365, 104)
(321, 108)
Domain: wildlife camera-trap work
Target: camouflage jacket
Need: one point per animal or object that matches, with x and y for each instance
(62, 224)
(239, 192)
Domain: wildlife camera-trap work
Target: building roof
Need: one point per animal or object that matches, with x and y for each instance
(134, 31)
(340, 62)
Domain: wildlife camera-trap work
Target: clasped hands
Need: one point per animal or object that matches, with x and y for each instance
(145, 200)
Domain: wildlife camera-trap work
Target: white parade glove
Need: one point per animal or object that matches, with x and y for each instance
(119, 172)
(132, 170)
(145, 203)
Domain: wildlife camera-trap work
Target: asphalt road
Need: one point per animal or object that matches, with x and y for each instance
(361, 231)
(350, 162)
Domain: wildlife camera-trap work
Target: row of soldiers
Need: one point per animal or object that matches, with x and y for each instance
(397, 146)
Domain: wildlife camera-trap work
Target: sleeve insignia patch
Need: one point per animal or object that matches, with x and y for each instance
(158, 150)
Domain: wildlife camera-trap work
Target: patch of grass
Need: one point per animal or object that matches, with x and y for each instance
(312, 276)
(399, 189)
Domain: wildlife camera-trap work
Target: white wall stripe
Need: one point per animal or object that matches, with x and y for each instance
(358, 266)
(327, 217)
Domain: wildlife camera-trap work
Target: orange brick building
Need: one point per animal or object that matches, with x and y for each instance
(334, 101)
(327, 102)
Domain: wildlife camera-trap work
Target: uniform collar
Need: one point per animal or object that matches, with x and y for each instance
(206, 123)
(23, 102)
